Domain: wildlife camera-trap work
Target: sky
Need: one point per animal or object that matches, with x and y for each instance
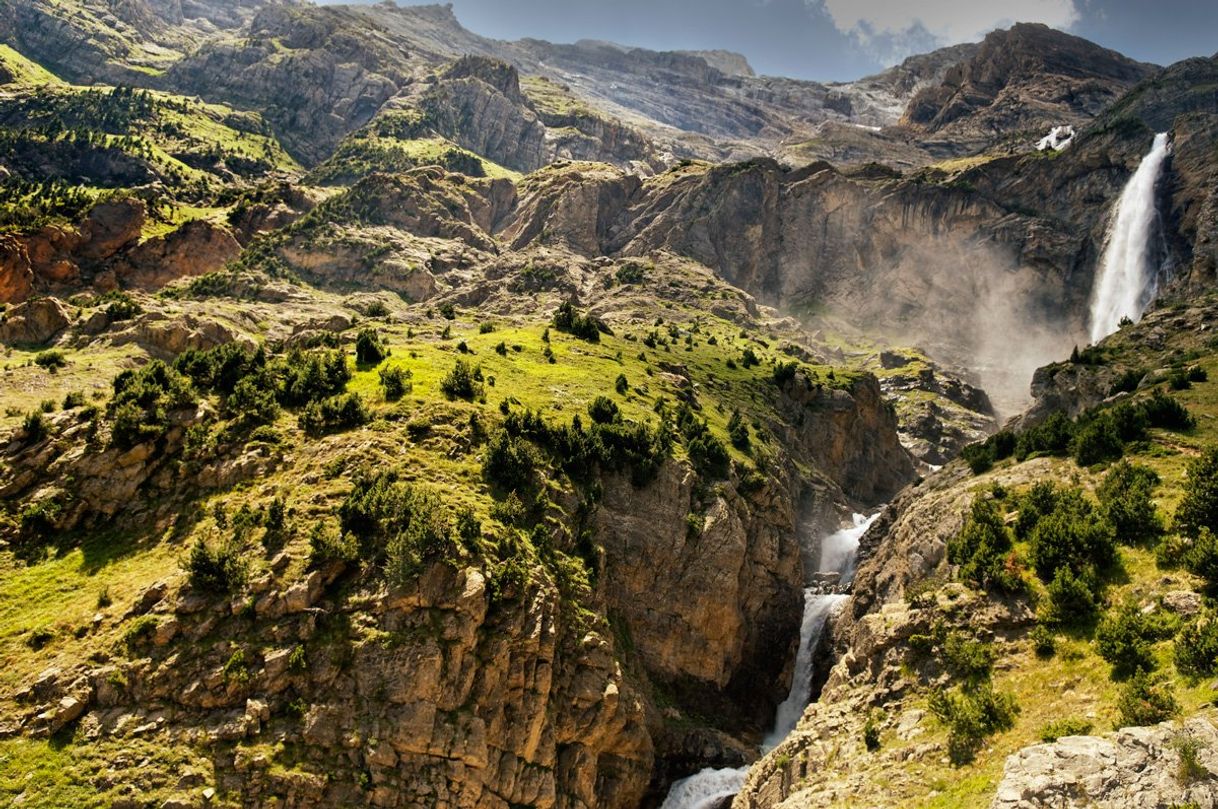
(834, 40)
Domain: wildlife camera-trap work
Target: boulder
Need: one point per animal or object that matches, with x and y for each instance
(34, 322)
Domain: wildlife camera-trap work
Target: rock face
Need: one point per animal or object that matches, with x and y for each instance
(105, 251)
(1029, 77)
(1133, 767)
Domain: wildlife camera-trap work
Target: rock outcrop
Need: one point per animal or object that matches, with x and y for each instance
(1137, 766)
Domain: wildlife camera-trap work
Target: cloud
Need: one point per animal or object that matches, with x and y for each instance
(892, 29)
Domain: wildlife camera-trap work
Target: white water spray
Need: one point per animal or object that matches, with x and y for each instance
(838, 552)
(1126, 282)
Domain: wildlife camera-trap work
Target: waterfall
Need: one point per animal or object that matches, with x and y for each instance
(1126, 284)
(708, 788)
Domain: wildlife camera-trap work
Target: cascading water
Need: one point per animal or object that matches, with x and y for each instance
(1126, 283)
(838, 551)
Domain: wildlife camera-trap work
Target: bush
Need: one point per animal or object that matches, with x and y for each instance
(395, 383)
(51, 361)
(1123, 638)
(509, 461)
(1189, 767)
(1196, 647)
(326, 545)
(982, 547)
(1127, 382)
(971, 715)
(967, 658)
(871, 734)
(603, 410)
(219, 569)
(1043, 642)
(709, 456)
(1198, 507)
(783, 373)
(369, 350)
(1146, 700)
(1125, 502)
(253, 403)
(1071, 598)
(631, 273)
(738, 431)
(1073, 536)
(585, 327)
(749, 358)
(139, 410)
(1064, 727)
(1097, 441)
(621, 385)
(461, 382)
(34, 427)
(1202, 558)
(426, 537)
(334, 415)
(121, 306)
(1166, 412)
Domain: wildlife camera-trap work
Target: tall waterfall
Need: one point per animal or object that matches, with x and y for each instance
(706, 789)
(1126, 283)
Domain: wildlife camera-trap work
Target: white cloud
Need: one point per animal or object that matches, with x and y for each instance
(888, 24)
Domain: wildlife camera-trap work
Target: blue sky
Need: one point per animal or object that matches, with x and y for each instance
(844, 39)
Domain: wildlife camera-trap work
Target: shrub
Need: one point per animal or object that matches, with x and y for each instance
(73, 400)
(461, 383)
(1198, 507)
(708, 456)
(621, 384)
(783, 373)
(1043, 642)
(139, 410)
(1196, 647)
(967, 658)
(631, 273)
(215, 569)
(1123, 638)
(971, 715)
(333, 415)
(585, 327)
(749, 358)
(509, 461)
(1064, 727)
(603, 410)
(369, 350)
(426, 537)
(327, 544)
(1146, 700)
(139, 631)
(1071, 598)
(1098, 440)
(253, 403)
(982, 547)
(1127, 382)
(738, 431)
(1202, 558)
(1072, 535)
(871, 733)
(121, 306)
(1051, 437)
(486, 327)
(311, 376)
(51, 361)
(448, 311)
(1166, 412)
(34, 427)
(38, 519)
(395, 383)
(1125, 502)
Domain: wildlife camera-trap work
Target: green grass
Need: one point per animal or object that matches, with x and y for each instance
(25, 71)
